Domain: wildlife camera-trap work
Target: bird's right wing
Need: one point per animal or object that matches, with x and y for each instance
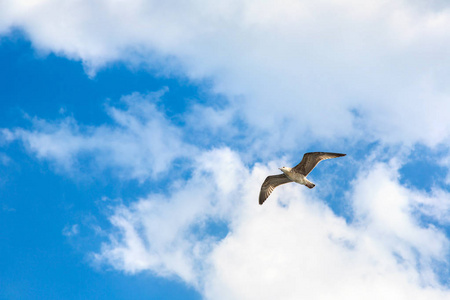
(270, 184)
(311, 159)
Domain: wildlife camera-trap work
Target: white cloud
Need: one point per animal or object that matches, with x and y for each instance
(168, 234)
(321, 70)
(141, 142)
(298, 250)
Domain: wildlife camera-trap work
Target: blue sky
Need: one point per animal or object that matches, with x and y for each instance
(134, 139)
(38, 206)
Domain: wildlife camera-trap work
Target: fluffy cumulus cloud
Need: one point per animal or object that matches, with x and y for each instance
(171, 235)
(327, 69)
(300, 249)
(294, 74)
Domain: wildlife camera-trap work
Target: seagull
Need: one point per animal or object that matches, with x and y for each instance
(296, 174)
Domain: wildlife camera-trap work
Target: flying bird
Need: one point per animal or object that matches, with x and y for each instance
(296, 174)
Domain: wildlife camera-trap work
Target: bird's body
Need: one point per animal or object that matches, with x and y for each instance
(297, 177)
(296, 174)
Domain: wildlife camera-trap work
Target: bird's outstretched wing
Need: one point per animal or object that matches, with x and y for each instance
(311, 159)
(270, 184)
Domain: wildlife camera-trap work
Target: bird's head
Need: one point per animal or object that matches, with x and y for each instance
(285, 169)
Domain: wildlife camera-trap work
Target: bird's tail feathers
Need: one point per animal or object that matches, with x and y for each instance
(310, 185)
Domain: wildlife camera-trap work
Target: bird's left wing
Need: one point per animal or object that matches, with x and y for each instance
(270, 184)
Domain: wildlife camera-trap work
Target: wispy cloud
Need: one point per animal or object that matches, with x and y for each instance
(71, 230)
(140, 142)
